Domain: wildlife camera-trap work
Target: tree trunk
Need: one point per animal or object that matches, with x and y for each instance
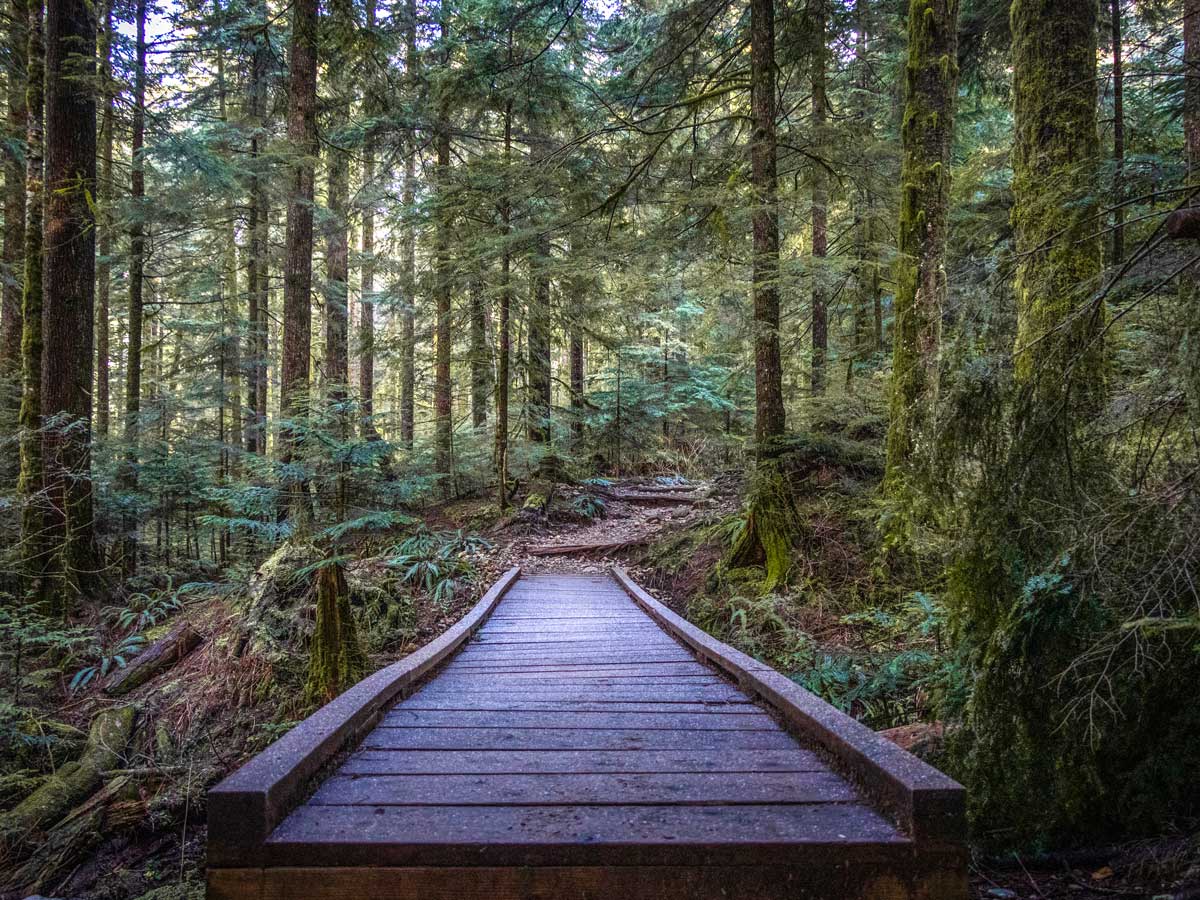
(931, 79)
(256, 259)
(1059, 354)
(31, 481)
(577, 382)
(442, 396)
(297, 275)
(820, 213)
(13, 250)
(337, 300)
(337, 276)
(106, 194)
(539, 343)
(137, 264)
(481, 358)
(503, 338)
(769, 420)
(68, 314)
(408, 340)
(366, 306)
(1118, 74)
(1191, 90)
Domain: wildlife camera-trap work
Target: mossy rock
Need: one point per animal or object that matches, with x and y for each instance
(277, 618)
(535, 502)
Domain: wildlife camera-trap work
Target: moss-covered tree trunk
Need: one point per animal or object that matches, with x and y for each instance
(1059, 353)
(336, 659)
(366, 304)
(443, 398)
(503, 329)
(1020, 616)
(931, 77)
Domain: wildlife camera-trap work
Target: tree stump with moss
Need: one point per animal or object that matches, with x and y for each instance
(771, 529)
(336, 659)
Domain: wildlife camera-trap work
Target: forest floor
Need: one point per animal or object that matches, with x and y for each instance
(215, 708)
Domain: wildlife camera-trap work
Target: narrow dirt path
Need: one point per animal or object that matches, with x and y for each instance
(637, 512)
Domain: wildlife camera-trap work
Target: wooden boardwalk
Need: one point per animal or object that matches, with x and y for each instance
(579, 740)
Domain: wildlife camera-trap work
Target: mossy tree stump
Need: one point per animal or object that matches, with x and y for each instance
(336, 660)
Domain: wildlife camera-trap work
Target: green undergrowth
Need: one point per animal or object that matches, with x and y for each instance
(867, 637)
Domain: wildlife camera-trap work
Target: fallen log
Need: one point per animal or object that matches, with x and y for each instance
(155, 659)
(599, 547)
(75, 781)
(646, 498)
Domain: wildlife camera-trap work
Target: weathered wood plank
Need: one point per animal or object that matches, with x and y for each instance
(488, 762)
(526, 658)
(820, 877)
(607, 789)
(640, 667)
(550, 835)
(512, 703)
(406, 717)
(714, 694)
(573, 739)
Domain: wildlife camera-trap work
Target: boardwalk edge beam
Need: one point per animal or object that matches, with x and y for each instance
(925, 803)
(246, 807)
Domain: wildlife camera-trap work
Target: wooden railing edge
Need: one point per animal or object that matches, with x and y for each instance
(926, 804)
(246, 807)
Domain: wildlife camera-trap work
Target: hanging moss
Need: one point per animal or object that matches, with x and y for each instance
(336, 660)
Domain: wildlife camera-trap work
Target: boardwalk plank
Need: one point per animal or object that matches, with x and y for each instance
(682, 788)
(674, 721)
(532, 835)
(385, 738)
(485, 762)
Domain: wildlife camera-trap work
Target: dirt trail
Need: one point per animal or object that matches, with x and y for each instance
(637, 512)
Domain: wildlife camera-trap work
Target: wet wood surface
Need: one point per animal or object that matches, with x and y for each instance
(573, 730)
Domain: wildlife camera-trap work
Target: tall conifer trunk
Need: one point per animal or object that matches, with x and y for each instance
(137, 265)
(768, 367)
(68, 313)
(13, 249)
(503, 338)
(366, 306)
(106, 193)
(1118, 75)
(297, 274)
(408, 341)
(481, 362)
(31, 482)
(931, 81)
(256, 259)
(442, 394)
(820, 211)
